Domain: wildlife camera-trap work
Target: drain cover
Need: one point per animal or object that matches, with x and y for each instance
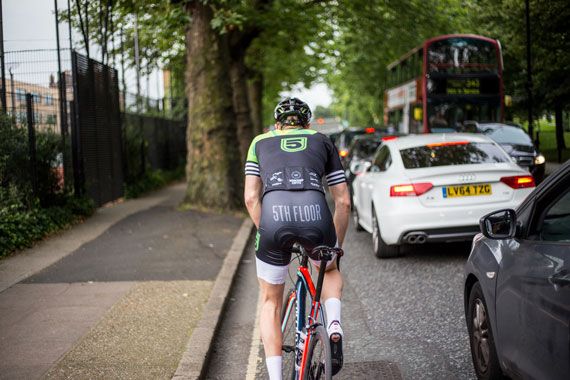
(384, 370)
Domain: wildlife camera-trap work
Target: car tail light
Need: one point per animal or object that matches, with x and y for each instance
(370, 130)
(388, 138)
(519, 181)
(343, 153)
(447, 143)
(410, 189)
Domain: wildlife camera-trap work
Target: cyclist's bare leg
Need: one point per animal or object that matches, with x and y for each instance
(332, 290)
(332, 285)
(270, 318)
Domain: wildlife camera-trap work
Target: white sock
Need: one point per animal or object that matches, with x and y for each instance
(274, 367)
(332, 306)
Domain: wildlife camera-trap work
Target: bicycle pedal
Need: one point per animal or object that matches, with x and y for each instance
(288, 348)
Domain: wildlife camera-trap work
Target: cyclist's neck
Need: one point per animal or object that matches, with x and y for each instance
(289, 127)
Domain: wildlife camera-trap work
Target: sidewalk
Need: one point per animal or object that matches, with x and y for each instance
(117, 296)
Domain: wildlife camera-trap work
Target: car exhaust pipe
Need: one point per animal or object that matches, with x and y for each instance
(415, 238)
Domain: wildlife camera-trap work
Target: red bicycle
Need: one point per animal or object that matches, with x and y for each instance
(306, 347)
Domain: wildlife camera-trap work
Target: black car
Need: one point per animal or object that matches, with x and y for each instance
(343, 140)
(518, 144)
(517, 287)
(361, 150)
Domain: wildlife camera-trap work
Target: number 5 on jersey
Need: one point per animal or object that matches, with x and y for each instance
(293, 144)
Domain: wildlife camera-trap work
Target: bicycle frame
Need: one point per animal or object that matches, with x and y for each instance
(305, 283)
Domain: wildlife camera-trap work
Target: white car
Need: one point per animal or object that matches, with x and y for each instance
(434, 188)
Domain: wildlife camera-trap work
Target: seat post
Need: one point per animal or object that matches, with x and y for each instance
(322, 270)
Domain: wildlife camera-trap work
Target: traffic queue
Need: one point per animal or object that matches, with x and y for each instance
(409, 190)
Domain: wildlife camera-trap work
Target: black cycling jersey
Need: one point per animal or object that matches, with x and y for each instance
(294, 159)
(292, 164)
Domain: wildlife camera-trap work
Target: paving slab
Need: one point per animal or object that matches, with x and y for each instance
(143, 336)
(40, 323)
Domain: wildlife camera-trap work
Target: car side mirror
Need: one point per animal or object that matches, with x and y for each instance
(500, 224)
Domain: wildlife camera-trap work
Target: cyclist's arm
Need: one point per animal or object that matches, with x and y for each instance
(341, 199)
(252, 196)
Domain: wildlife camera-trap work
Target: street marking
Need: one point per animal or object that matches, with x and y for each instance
(254, 348)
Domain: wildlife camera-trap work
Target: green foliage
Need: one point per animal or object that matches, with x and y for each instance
(293, 47)
(550, 43)
(25, 218)
(16, 167)
(370, 35)
(21, 226)
(324, 112)
(152, 180)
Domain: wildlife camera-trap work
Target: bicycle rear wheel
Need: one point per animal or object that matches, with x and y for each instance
(318, 366)
(288, 322)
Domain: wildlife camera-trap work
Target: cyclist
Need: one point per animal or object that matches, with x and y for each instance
(285, 198)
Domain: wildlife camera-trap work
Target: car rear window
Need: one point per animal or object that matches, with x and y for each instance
(459, 153)
(365, 148)
(509, 135)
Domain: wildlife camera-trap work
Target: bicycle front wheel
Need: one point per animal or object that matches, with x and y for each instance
(288, 328)
(318, 366)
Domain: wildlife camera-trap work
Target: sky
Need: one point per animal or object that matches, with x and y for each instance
(30, 24)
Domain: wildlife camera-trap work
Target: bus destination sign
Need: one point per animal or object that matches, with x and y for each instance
(469, 86)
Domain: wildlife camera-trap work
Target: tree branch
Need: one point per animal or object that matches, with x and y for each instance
(85, 37)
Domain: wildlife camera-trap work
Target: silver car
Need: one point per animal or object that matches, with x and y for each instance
(517, 287)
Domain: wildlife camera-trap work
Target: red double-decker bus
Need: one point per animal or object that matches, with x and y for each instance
(443, 84)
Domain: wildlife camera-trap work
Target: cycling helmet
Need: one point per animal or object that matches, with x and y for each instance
(292, 107)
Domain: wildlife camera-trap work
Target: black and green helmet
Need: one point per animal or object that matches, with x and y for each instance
(293, 107)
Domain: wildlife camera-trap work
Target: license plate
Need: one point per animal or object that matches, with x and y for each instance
(466, 190)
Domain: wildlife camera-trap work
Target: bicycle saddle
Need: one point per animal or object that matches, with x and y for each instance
(308, 237)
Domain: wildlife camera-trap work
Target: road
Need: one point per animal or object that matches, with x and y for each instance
(403, 318)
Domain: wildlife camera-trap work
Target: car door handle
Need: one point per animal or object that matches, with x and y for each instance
(561, 278)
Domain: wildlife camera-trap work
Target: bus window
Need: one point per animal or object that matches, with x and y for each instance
(462, 55)
(451, 115)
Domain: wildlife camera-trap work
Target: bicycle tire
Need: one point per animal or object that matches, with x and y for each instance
(288, 333)
(318, 365)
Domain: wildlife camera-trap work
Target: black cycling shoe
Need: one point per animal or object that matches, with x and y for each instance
(336, 351)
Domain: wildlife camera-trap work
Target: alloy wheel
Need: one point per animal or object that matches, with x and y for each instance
(480, 336)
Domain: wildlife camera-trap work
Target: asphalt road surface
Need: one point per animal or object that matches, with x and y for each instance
(403, 318)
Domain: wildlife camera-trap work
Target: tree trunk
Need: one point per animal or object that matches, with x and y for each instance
(559, 121)
(213, 170)
(241, 105)
(255, 93)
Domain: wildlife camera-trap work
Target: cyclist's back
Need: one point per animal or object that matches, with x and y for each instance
(292, 164)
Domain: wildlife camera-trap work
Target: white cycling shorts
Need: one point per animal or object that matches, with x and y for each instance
(277, 274)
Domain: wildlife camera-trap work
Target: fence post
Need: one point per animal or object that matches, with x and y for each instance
(143, 164)
(32, 142)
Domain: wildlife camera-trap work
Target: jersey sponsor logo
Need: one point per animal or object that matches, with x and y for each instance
(301, 213)
(276, 179)
(294, 144)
